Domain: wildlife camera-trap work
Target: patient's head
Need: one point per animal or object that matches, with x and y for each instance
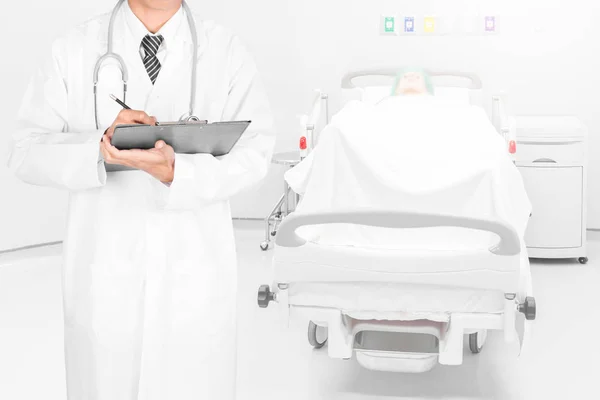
(412, 81)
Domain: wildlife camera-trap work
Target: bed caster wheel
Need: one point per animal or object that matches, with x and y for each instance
(476, 341)
(583, 260)
(264, 246)
(317, 335)
(265, 296)
(528, 308)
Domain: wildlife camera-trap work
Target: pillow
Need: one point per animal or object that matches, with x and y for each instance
(447, 95)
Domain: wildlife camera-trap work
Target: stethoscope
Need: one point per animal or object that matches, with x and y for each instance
(125, 75)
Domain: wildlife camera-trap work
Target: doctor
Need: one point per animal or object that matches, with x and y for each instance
(149, 274)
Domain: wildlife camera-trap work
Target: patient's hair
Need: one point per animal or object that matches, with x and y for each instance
(424, 74)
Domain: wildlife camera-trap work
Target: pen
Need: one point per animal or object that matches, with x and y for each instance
(125, 106)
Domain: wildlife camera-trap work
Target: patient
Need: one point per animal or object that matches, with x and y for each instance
(412, 81)
(410, 153)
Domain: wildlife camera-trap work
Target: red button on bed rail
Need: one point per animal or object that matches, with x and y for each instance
(302, 143)
(512, 147)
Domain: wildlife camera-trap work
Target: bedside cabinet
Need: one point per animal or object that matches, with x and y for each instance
(551, 155)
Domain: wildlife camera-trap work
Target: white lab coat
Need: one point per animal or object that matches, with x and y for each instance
(149, 270)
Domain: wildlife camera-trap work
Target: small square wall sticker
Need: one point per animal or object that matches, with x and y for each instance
(388, 25)
(490, 24)
(409, 24)
(429, 24)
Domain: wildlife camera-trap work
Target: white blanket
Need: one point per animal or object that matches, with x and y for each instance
(410, 154)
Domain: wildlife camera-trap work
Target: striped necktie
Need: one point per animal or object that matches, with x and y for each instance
(151, 44)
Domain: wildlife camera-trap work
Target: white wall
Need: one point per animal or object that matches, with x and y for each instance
(544, 57)
(30, 215)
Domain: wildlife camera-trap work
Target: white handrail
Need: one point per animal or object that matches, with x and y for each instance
(508, 245)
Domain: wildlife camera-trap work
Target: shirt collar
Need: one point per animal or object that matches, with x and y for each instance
(137, 28)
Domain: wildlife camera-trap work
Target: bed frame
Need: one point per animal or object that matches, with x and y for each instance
(344, 334)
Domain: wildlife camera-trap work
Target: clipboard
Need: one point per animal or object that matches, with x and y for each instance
(194, 137)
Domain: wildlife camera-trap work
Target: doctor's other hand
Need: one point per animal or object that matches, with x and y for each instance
(159, 161)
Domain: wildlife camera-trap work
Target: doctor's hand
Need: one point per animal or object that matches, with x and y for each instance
(158, 161)
(129, 117)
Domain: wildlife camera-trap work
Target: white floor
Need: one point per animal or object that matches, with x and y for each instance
(562, 362)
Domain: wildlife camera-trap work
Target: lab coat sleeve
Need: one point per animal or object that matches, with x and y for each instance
(45, 151)
(202, 178)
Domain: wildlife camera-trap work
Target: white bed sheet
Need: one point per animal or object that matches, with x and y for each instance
(416, 155)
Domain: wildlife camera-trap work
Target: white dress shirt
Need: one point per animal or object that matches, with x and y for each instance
(168, 31)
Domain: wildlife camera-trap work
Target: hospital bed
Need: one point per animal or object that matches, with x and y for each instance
(402, 310)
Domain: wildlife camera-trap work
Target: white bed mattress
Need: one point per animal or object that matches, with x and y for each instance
(356, 299)
(459, 269)
(400, 284)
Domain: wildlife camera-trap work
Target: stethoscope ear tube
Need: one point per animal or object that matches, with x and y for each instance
(124, 77)
(194, 33)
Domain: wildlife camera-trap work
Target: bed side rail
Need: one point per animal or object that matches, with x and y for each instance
(508, 245)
